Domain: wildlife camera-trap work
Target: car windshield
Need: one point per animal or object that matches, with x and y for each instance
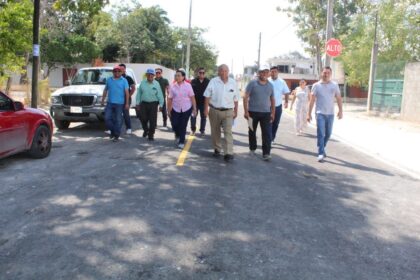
(91, 76)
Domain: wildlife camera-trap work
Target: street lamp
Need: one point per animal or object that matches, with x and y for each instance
(187, 66)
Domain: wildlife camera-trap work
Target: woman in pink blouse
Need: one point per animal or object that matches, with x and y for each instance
(181, 104)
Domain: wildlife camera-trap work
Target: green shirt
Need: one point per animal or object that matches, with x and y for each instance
(149, 92)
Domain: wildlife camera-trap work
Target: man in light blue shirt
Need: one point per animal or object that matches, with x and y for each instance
(117, 91)
(280, 89)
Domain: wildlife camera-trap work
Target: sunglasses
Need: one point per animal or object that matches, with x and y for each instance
(158, 73)
(201, 72)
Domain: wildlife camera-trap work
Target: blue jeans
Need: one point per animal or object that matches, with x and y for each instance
(275, 124)
(324, 124)
(179, 122)
(114, 118)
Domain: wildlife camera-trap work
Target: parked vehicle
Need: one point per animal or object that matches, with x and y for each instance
(23, 129)
(80, 101)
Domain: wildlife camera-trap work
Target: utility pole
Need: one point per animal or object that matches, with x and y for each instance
(35, 55)
(259, 52)
(330, 10)
(373, 59)
(187, 66)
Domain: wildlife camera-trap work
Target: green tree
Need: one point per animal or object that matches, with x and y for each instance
(310, 19)
(202, 53)
(68, 49)
(15, 35)
(398, 39)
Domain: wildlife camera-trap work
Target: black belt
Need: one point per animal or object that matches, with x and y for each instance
(220, 109)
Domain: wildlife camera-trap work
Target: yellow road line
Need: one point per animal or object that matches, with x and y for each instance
(183, 156)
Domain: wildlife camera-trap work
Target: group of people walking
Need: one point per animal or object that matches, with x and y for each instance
(217, 99)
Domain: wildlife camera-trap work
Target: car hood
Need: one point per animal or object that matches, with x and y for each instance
(80, 89)
(34, 111)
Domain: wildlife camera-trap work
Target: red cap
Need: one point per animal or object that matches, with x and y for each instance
(117, 67)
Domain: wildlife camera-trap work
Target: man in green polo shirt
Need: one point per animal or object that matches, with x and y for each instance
(149, 97)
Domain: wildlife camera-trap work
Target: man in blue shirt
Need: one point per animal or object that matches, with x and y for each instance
(117, 91)
(280, 89)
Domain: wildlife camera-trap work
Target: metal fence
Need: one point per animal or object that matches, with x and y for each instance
(388, 86)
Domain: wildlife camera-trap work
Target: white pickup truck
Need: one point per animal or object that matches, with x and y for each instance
(80, 101)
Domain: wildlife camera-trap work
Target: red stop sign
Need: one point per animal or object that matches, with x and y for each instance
(333, 47)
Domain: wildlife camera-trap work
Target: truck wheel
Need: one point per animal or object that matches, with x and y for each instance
(61, 124)
(41, 143)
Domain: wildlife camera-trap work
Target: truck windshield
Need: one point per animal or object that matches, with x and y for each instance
(91, 76)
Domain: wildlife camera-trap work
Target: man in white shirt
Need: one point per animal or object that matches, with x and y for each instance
(222, 97)
(280, 89)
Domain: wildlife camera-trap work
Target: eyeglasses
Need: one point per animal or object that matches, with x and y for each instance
(158, 73)
(201, 72)
(117, 71)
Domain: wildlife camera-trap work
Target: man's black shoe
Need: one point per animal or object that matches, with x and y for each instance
(228, 158)
(145, 133)
(216, 153)
(151, 139)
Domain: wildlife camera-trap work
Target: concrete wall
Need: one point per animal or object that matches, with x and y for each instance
(410, 107)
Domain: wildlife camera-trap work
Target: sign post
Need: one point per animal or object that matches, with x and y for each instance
(333, 47)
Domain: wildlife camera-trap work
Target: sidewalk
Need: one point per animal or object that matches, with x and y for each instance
(392, 141)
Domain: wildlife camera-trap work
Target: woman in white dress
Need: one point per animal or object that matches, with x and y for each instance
(301, 94)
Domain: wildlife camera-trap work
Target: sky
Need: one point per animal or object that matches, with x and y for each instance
(234, 26)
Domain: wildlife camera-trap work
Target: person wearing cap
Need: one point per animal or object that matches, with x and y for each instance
(131, 90)
(164, 86)
(259, 106)
(222, 97)
(116, 89)
(199, 86)
(149, 98)
(280, 89)
(181, 104)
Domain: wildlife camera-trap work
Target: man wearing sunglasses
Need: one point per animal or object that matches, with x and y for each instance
(199, 86)
(116, 89)
(164, 86)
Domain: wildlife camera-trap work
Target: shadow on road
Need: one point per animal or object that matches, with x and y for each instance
(106, 210)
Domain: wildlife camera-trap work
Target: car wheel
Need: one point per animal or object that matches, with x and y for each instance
(41, 143)
(61, 124)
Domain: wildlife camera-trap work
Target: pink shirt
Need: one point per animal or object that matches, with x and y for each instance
(181, 96)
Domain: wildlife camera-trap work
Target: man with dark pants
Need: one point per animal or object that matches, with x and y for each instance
(149, 97)
(199, 86)
(116, 89)
(164, 86)
(280, 89)
(323, 93)
(259, 107)
(131, 89)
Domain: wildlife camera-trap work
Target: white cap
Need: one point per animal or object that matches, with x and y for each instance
(263, 68)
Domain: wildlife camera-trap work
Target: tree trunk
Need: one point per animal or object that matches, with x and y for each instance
(24, 76)
(318, 57)
(8, 85)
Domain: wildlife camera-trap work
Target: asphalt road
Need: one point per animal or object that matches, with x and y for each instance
(95, 209)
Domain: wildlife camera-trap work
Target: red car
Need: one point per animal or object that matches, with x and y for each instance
(23, 129)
